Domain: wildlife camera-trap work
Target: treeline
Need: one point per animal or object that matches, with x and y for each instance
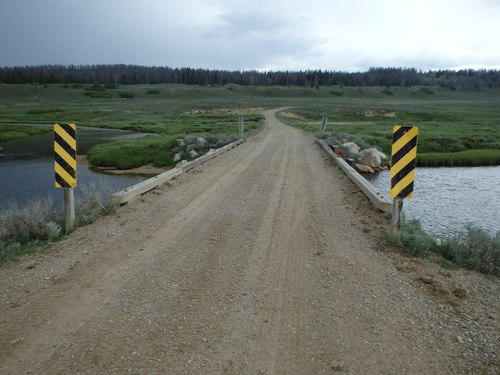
(134, 74)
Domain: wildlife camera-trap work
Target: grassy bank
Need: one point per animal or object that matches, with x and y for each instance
(10, 133)
(157, 150)
(475, 249)
(24, 229)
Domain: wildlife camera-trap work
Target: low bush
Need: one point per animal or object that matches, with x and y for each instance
(386, 91)
(24, 228)
(153, 92)
(475, 249)
(99, 94)
(413, 238)
(127, 95)
(41, 111)
(426, 90)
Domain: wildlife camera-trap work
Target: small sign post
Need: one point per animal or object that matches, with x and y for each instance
(323, 125)
(404, 156)
(241, 126)
(65, 168)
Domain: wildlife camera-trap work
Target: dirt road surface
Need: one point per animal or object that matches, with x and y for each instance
(266, 260)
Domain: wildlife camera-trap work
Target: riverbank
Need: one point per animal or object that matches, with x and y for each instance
(146, 170)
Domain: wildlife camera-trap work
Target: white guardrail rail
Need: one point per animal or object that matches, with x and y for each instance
(134, 191)
(376, 198)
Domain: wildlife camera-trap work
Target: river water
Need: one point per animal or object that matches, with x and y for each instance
(27, 167)
(447, 199)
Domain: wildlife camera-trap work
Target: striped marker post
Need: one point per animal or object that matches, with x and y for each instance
(404, 156)
(65, 168)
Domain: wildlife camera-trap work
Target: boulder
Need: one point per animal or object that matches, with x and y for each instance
(177, 156)
(181, 164)
(351, 147)
(193, 154)
(180, 142)
(201, 141)
(364, 168)
(191, 147)
(369, 157)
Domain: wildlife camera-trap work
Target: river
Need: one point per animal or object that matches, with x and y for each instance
(27, 167)
(447, 199)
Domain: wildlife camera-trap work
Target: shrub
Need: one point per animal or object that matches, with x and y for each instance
(127, 95)
(41, 111)
(426, 90)
(475, 250)
(153, 92)
(34, 221)
(413, 238)
(99, 94)
(336, 93)
(110, 86)
(386, 91)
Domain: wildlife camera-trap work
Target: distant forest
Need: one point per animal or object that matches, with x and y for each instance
(133, 74)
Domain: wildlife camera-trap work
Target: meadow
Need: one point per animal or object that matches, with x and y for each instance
(457, 127)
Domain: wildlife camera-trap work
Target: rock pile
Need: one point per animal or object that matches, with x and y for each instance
(365, 161)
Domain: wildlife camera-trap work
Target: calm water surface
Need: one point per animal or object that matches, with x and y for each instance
(446, 199)
(27, 167)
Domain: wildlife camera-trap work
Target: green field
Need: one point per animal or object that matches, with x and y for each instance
(452, 123)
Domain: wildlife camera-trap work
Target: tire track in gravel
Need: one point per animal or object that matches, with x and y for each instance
(257, 262)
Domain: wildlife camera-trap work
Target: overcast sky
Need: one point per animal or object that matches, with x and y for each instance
(347, 35)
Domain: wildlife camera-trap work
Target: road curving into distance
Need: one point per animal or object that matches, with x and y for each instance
(265, 260)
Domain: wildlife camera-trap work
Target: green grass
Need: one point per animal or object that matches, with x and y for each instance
(449, 121)
(131, 153)
(10, 133)
(459, 159)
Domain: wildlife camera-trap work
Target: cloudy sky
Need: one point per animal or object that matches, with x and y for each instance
(347, 35)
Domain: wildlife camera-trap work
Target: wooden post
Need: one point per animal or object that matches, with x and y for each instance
(397, 209)
(323, 125)
(69, 209)
(241, 126)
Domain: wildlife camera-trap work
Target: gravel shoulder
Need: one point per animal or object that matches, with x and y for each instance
(265, 260)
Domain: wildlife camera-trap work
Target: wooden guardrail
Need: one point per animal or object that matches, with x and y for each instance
(376, 198)
(134, 191)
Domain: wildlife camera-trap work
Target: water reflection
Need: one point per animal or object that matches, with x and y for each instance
(446, 199)
(27, 167)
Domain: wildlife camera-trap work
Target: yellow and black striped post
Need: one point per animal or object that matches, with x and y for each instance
(65, 155)
(65, 168)
(404, 156)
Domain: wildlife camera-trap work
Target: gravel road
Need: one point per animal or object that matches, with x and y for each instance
(266, 260)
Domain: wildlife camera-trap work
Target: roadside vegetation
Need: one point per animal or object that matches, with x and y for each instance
(475, 249)
(10, 133)
(457, 127)
(26, 228)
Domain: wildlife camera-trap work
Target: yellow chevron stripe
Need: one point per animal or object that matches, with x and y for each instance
(63, 154)
(403, 162)
(404, 139)
(62, 133)
(65, 176)
(410, 177)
